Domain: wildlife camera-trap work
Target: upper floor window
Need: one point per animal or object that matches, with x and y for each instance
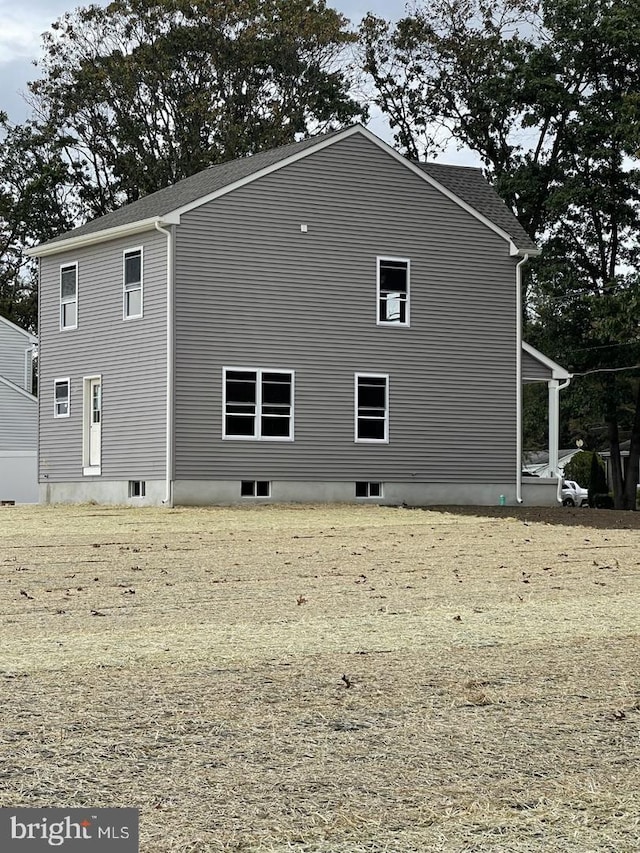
(132, 296)
(69, 296)
(258, 404)
(372, 407)
(61, 398)
(393, 291)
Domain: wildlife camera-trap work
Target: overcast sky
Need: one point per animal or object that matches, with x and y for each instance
(22, 24)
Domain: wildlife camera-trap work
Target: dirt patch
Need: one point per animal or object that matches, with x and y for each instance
(600, 519)
(326, 679)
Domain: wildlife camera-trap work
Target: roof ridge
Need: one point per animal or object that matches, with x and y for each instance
(461, 166)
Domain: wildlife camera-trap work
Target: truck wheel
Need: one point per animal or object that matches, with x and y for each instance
(568, 502)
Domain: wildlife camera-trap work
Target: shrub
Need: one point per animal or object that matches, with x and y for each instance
(578, 468)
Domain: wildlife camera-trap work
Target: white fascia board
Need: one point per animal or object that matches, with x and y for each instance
(274, 167)
(17, 388)
(32, 338)
(557, 372)
(72, 243)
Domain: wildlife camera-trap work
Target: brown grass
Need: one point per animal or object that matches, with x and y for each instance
(326, 679)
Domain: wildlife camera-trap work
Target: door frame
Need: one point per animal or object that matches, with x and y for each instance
(87, 468)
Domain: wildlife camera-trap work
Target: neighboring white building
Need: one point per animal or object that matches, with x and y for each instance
(18, 416)
(536, 462)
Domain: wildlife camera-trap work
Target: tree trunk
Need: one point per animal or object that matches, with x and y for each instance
(631, 477)
(617, 481)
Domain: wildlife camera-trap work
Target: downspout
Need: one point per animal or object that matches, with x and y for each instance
(519, 266)
(557, 391)
(168, 495)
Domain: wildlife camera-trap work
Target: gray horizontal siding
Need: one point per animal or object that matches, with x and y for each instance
(253, 291)
(130, 355)
(13, 345)
(533, 369)
(18, 420)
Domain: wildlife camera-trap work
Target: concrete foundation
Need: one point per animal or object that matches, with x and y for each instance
(199, 493)
(94, 490)
(224, 493)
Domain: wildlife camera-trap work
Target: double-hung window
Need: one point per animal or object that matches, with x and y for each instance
(393, 291)
(61, 398)
(372, 407)
(69, 296)
(258, 404)
(132, 283)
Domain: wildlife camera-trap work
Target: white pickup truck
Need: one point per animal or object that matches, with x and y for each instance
(573, 494)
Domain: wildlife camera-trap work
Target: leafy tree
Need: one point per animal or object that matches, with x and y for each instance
(33, 206)
(547, 94)
(535, 403)
(578, 468)
(142, 93)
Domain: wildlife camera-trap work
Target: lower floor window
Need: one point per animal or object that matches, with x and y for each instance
(255, 489)
(372, 407)
(258, 404)
(366, 489)
(137, 488)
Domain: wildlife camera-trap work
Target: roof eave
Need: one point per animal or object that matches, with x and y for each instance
(18, 389)
(173, 217)
(448, 193)
(514, 251)
(557, 371)
(31, 338)
(268, 170)
(103, 236)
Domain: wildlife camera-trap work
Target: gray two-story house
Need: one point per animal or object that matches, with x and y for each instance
(18, 415)
(326, 321)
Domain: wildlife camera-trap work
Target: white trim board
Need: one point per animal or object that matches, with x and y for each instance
(17, 388)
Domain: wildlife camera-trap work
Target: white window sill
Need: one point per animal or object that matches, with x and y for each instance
(94, 471)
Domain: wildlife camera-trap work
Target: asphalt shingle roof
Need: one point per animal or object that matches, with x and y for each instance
(469, 184)
(465, 182)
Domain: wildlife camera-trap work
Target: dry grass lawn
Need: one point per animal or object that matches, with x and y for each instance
(335, 679)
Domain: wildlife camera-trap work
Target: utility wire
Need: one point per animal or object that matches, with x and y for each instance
(608, 370)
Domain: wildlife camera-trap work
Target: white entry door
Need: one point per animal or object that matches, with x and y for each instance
(95, 422)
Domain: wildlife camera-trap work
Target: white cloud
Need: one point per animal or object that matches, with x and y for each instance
(17, 40)
(20, 33)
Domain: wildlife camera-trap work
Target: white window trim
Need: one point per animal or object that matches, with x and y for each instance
(126, 252)
(379, 320)
(89, 470)
(259, 372)
(142, 486)
(384, 440)
(369, 496)
(57, 382)
(255, 496)
(76, 300)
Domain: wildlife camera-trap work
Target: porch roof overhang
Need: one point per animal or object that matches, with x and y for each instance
(551, 369)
